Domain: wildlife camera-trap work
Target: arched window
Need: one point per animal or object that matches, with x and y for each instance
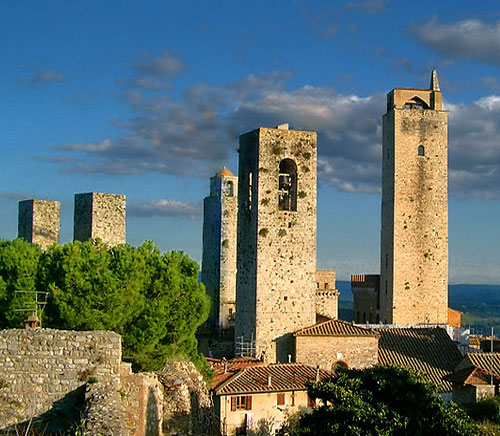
(421, 150)
(339, 364)
(287, 185)
(415, 103)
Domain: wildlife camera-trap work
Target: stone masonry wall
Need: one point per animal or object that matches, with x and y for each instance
(43, 371)
(100, 215)
(324, 351)
(38, 222)
(414, 255)
(276, 248)
(327, 295)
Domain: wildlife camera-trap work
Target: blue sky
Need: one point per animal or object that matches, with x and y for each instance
(148, 98)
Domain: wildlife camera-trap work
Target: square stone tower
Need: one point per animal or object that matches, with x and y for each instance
(275, 286)
(414, 240)
(100, 215)
(218, 271)
(38, 222)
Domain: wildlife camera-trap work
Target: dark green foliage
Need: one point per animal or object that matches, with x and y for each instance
(18, 272)
(487, 409)
(153, 300)
(380, 401)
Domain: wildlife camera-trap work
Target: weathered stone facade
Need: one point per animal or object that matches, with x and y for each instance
(366, 290)
(43, 372)
(276, 262)
(38, 222)
(327, 295)
(414, 240)
(54, 378)
(100, 215)
(328, 351)
(220, 217)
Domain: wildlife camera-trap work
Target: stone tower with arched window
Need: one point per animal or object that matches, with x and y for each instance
(414, 239)
(276, 240)
(218, 270)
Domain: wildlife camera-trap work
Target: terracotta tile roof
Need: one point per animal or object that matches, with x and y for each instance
(471, 376)
(429, 350)
(489, 362)
(283, 377)
(227, 368)
(335, 327)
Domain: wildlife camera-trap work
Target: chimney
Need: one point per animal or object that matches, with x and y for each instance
(269, 381)
(317, 373)
(289, 358)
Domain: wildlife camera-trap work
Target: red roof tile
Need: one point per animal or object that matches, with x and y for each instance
(335, 327)
(471, 376)
(282, 377)
(429, 350)
(227, 368)
(489, 362)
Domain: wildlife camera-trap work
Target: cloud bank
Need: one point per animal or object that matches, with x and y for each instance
(197, 134)
(466, 39)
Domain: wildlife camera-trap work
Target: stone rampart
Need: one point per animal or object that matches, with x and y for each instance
(43, 373)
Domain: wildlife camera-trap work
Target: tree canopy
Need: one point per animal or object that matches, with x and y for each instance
(153, 300)
(382, 401)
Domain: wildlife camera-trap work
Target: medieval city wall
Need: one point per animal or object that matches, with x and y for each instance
(43, 372)
(52, 378)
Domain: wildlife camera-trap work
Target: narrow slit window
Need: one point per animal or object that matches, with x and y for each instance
(421, 150)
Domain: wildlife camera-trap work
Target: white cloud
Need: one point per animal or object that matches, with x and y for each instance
(163, 207)
(471, 38)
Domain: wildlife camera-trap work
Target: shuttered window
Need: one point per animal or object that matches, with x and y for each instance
(241, 402)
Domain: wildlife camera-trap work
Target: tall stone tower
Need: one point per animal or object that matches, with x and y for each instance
(100, 215)
(38, 222)
(276, 286)
(218, 271)
(414, 240)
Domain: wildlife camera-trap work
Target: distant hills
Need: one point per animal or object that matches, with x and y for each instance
(479, 304)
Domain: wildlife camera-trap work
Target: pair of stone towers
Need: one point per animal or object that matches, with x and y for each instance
(413, 284)
(259, 242)
(96, 215)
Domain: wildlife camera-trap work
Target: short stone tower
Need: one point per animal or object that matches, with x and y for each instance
(414, 240)
(38, 222)
(218, 271)
(100, 215)
(276, 283)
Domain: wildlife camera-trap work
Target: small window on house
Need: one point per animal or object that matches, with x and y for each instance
(317, 285)
(386, 260)
(326, 285)
(249, 198)
(241, 402)
(287, 185)
(421, 150)
(386, 286)
(280, 399)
